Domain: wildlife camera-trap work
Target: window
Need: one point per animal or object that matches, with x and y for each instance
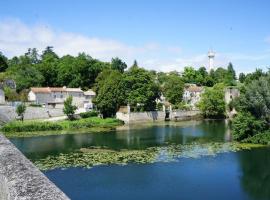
(54, 96)
(61, 96)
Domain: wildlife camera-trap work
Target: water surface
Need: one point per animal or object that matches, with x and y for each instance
(234, 175)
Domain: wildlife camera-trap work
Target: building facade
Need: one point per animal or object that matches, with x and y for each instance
(55, 96)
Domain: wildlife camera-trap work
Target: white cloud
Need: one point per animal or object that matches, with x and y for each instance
(16, 37)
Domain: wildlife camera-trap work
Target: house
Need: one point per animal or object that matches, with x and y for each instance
(55, 96)
(192, 94)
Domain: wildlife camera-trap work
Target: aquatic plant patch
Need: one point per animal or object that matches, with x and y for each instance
(89, 157)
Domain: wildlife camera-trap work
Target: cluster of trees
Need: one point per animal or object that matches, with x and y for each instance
(48, 69)
(202, 77)
(114, 85)
(253, 108)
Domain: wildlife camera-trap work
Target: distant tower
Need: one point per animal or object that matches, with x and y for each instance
(211, 56)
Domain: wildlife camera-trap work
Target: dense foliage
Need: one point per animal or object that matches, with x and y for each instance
(212, 103)
(114, 84)
(253, 107)
(173, 89)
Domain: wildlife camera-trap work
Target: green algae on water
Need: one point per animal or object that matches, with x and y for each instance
(89, 157)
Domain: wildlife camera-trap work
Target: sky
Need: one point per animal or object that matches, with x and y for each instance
(163, 35)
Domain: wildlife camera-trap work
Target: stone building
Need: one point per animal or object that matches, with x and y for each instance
(55, 96)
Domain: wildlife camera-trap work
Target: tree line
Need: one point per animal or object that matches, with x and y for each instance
(114, 84)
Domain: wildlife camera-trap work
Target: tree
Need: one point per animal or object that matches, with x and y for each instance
(27, 77)
(135, 64)
(242, 77)
(253, 108)
(230, 77)
(256, 98)
(212, 103)
(3, 62)
(189, 75)
(141, 89)
(173, 89)
(110, 92)
(69, 109)
(118, 64)
(255, 76)
(20, 110)
(245, 125)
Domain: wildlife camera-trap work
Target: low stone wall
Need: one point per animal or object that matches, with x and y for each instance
(137, 117)
(184, 115)
(20, 179)
(8, 113)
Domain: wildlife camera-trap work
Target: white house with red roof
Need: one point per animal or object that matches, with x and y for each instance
(55, 96)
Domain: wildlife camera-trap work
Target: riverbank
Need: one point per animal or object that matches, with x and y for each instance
(41, 128)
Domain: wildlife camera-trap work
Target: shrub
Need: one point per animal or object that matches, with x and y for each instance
(69, 109)
(245, 125)
(28, 126)
(261, 138)
(20, 110)
(89, 114)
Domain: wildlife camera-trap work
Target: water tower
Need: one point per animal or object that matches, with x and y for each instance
(211, 56)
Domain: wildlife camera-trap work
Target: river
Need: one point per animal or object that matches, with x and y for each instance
(238, 175)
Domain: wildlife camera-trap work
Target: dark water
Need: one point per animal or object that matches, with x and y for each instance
(239, 175)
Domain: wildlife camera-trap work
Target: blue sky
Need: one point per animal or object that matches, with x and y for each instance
(161, 35)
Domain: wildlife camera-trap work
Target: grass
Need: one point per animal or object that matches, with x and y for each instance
(16, 127)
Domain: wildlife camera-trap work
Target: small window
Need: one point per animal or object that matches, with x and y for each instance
(61, 96)
(54, 96)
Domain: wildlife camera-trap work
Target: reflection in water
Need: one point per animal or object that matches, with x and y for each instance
(128, 138)
(255, 166)
(243, 175)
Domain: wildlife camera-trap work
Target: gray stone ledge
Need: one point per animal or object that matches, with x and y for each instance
(20, 179)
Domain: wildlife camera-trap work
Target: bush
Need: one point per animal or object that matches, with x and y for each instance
(261, 138)
(31, 126)
(89, 114)
(69, 109)
(28, 126)
(245, 125)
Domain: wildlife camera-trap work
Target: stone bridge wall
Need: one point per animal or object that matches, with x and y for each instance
(20, 179)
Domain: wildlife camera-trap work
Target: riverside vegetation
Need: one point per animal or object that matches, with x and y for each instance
(35, 127)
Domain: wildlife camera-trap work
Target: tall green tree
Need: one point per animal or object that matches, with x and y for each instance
(48, 67)
(3, 62)
(69, 109)
(212, 103)
(118, 64)
(173, 89)
(110, 92)
(141, 89)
